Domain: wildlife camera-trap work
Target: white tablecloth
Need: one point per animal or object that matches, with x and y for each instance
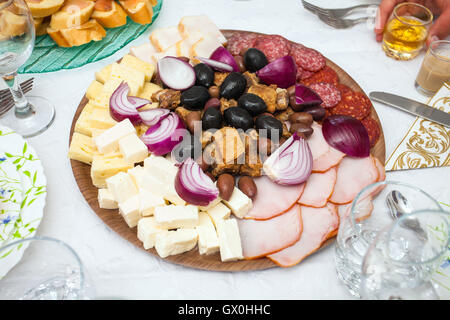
(119, 269)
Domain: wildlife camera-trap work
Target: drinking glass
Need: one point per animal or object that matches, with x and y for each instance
(49, 269)
(368, 214)
(435, 69)
(406, 31)
(401, 261)
(31, 115)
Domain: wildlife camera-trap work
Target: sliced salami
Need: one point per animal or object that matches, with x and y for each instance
(241, 41)
(354, 104)
(353, 174)
(318, 225)
(329, 94)
(260, 238)
(273, 46)
(373, 129)
(273, 199)
(307, 58)
(343, 89)
(318, 189)
(325, 75)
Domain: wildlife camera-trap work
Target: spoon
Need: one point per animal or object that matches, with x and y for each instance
(399, 206)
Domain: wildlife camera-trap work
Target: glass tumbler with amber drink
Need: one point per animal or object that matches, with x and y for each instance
(406, 31)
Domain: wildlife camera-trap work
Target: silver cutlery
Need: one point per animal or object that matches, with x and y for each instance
(6, 99)
(412, 106)
(334, 13)
(6, 93)
(342, 23)
(399, 206)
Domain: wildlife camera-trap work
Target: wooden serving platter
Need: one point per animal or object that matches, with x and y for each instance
(192, 258)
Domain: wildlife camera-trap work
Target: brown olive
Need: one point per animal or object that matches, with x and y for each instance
(240, 62)
(301, 128)
(247, 186)
(191, 119)
(213, 102)
(265, 146)
(296, 107)
(301, 117)
(214, 91)
(225, 184)
(317, 112)
(204, 165)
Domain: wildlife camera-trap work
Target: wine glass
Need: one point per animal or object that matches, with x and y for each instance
(33, 114)
(42, 268)
(402, 259)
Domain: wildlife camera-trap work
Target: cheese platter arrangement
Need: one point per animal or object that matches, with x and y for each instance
(224, 150)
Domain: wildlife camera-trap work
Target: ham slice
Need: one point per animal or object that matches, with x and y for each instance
(273, 199)
(318, 189)
(324, 156)
(353, 174)
(260, 238)
(318, 224)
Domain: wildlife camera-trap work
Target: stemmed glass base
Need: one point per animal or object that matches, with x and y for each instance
(36, 120)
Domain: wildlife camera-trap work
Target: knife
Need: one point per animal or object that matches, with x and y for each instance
(412, 106)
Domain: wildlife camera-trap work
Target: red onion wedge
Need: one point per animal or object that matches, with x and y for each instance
(282, 72)
(291, 163)
(306, 97)
(121, 106)
(221, 54)
(193, 185)
(176, 73)
(153, 116)
(216, 65)
(346, 134)
(162, 137)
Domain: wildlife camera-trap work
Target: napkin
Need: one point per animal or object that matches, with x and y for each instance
(426, 144)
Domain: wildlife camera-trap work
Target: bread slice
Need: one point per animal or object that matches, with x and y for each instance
(43, 8)
(74, 13)
(202, 24)
(77, 36)
(140, 11)
(109, 14)
(41, 25)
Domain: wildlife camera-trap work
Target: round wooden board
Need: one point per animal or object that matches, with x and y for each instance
(192, 258)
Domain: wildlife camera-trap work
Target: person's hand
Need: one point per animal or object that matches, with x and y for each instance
(440, 28)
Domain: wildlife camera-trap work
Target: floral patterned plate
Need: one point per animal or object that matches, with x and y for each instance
(22, 194)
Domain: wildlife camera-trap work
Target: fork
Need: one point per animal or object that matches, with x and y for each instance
(8, 102)
(6, 93)
(342, 23)
(334, 13)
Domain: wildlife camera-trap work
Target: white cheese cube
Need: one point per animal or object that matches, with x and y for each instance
(145, 181)
(149, 201)
(211, 204)
(130, 211)
(239, 203)
(208, 241)
(229, 240)
(218, 213)
(175, 242)
(147, 229)
(108, 141)
(133, 149)
(173, 216)
(106, 199)
(121, 187)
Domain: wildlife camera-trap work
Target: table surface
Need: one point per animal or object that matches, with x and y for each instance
(120, 270)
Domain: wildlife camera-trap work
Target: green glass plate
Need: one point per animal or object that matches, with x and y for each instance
(47, 56)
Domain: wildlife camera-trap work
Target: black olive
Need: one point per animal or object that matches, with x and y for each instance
(189, 147)
(233, 86)
(252, 103)
(194, 98)
(212, 119)
(204, 75)
(254, 59)
(273, 126)
(238, 118)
